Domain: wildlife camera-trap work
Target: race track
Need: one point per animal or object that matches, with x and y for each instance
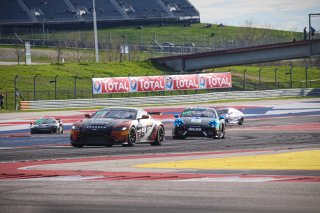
(270, 164)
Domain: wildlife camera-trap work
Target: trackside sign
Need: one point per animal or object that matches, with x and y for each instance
(161, 83)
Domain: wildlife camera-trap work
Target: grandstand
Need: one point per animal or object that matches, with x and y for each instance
(76, 13)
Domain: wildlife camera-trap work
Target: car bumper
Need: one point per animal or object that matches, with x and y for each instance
(196, 132)
(98, 139)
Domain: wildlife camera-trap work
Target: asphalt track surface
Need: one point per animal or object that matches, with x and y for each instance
(42, 173)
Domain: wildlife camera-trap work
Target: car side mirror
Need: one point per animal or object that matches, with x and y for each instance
(87, 115)
(176, 116)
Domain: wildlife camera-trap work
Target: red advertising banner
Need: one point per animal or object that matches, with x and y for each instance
(147, 84)
(110, 85)
(215, 80)
(185, 82)
(161, 83)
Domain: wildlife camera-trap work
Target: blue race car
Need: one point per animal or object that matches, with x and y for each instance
(199, 122)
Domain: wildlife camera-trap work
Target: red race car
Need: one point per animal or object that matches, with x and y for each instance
(110, 126)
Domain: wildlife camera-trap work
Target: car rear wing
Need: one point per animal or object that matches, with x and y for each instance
(155, 113)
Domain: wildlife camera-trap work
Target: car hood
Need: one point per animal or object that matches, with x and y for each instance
(196, 120)
(107, 122)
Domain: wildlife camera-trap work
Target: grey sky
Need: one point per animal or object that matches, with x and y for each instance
(279, 14)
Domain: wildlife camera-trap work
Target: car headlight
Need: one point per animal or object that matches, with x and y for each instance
(122, 128)
(214, 123)
(75, 128)
(178, 123)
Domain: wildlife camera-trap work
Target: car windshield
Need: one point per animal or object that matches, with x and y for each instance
(116, 113)
(222, 111)
(206, 113)
(44, 121)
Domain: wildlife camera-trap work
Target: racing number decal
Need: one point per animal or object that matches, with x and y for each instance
(144, 129)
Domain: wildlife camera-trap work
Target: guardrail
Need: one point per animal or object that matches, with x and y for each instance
(177, 99)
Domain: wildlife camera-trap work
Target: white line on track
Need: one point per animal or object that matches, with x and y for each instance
(235, 179)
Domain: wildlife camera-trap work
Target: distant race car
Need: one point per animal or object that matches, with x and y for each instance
(201, 122)
(232, 115)
(111, 126)
(47, 125)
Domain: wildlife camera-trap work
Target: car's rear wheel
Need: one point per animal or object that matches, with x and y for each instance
(160, 137)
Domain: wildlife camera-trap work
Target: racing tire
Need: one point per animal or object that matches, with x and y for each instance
(77, 145)
(59, 130)
(218, 134)
(159, 138)
(223, 132)
(241, 121)
(179, 137)
(132, 137)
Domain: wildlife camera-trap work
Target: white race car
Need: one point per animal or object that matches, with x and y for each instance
(231, 115)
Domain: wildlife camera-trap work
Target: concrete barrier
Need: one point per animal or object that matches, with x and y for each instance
(177, 99)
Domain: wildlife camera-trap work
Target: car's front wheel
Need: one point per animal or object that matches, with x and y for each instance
(132, 137)
(60, 130)
(241, 120)
(220, 133)
(77, 145)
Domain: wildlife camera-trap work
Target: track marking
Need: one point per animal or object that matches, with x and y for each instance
(303, 160)
(66, 178)
(234, 179)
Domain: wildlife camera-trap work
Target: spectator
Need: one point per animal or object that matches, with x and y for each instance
(1, 100)
(305, 33)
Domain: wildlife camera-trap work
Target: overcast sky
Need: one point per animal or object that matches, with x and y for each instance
(276, 14)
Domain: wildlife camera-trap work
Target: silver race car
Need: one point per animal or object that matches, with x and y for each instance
(46, 125)
(231, 115)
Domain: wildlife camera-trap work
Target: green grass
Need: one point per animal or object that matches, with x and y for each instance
(175, 33)
(67, 72)
(85, 71)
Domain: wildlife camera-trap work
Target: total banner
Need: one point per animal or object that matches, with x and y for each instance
(161, 83)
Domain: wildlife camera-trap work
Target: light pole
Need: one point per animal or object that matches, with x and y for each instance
(260, 78)
(75, 86)
(55, 86)
(92, 95)
(275, 77)
(15, 91)
(34, 86)
(307, 76)
(95, 31)
(244, 79)
(291, 76)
